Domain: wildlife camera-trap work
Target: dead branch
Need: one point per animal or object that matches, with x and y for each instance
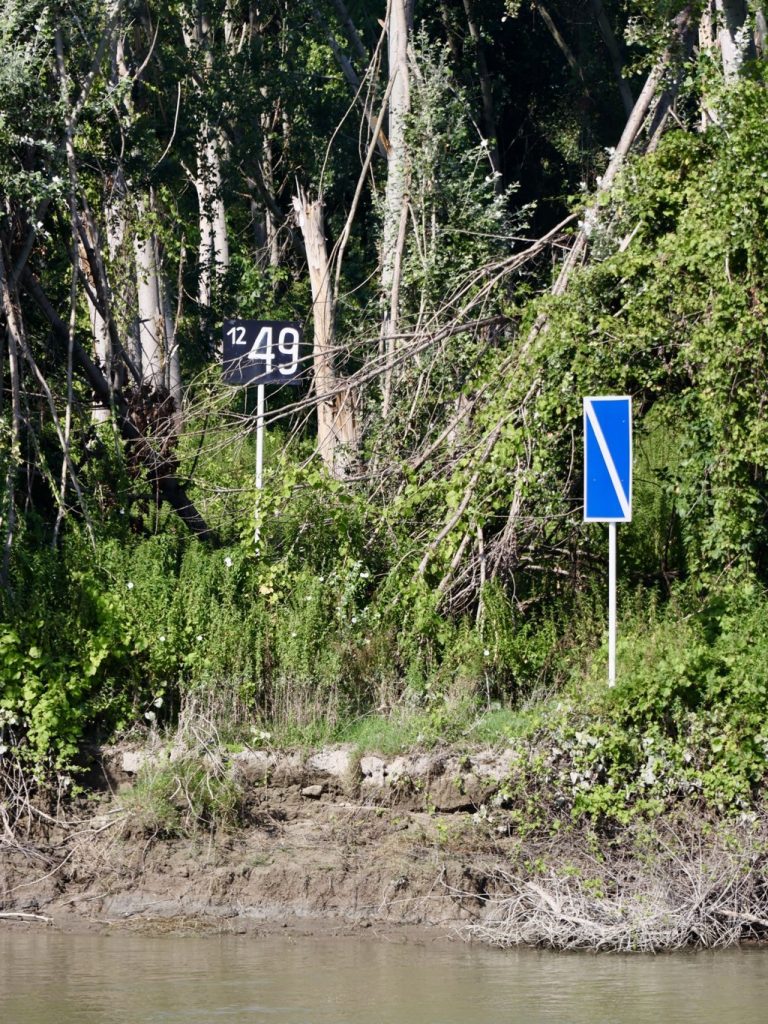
(167, 484)
(12, 915)
(632, 129)
(687, 889)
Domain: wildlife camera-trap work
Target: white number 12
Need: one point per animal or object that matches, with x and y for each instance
(237, 334)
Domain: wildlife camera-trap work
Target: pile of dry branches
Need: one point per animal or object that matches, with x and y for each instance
(685, 888)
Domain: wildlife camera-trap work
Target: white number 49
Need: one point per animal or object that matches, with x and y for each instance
(262, 349)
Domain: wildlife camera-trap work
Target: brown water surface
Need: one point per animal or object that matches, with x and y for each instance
(51, 978)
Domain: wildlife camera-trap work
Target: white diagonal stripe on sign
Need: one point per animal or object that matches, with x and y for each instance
(607, 458)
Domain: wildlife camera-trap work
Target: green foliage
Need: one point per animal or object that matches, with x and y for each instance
(675, 318)
(685, 722)
(65, 659)
(438, 593)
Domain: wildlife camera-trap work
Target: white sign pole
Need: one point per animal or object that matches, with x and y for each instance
(259, 456)
(611, 604)
(608, 484)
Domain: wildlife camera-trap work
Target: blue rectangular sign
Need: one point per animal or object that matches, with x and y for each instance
(608, 459)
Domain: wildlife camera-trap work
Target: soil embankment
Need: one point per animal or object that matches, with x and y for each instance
(440, 842)
(329, 841)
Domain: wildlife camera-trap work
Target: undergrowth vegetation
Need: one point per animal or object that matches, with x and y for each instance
(456, 595)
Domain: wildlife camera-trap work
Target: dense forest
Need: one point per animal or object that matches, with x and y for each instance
(478, 212)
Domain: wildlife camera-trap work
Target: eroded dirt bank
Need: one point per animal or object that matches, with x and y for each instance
(329, 842)
(439, 844)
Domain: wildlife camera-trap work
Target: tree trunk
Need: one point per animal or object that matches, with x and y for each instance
(99, 326)
(761, 33)
(8, 512)
(213, 253)
(707, 46)
(559, 39)
(396, 192)
(267, 173)
(732, 36)
(151, 319)
(337, 410)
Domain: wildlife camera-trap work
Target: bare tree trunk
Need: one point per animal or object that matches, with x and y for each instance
(666, 101)
(707, 45)
(99, 326)
(732, 36)
(337, 419)
(172, 357)
(310, 218)
(270, 221)
(396, 192)
(723, 25)
(761, 33)
(150, 309)
(559, 39)
(214, 242)
(213, 254)
(8, 513)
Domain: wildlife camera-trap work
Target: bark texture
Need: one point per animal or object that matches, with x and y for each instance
(399, 26)
(337, 408)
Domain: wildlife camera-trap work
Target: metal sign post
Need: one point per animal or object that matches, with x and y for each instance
(259, 459)
(608, 485)
(261, 352)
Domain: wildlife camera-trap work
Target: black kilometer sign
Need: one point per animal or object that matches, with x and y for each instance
(262, 352)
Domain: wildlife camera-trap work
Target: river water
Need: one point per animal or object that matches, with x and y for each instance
(50, 978)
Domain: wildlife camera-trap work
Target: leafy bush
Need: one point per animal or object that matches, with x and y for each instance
(685, 722)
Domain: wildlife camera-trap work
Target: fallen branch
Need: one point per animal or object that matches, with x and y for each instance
(10, 915)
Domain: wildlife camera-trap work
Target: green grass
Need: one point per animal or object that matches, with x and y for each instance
(404, 729)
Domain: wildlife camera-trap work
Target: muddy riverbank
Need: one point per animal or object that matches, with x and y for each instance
(331, 842)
